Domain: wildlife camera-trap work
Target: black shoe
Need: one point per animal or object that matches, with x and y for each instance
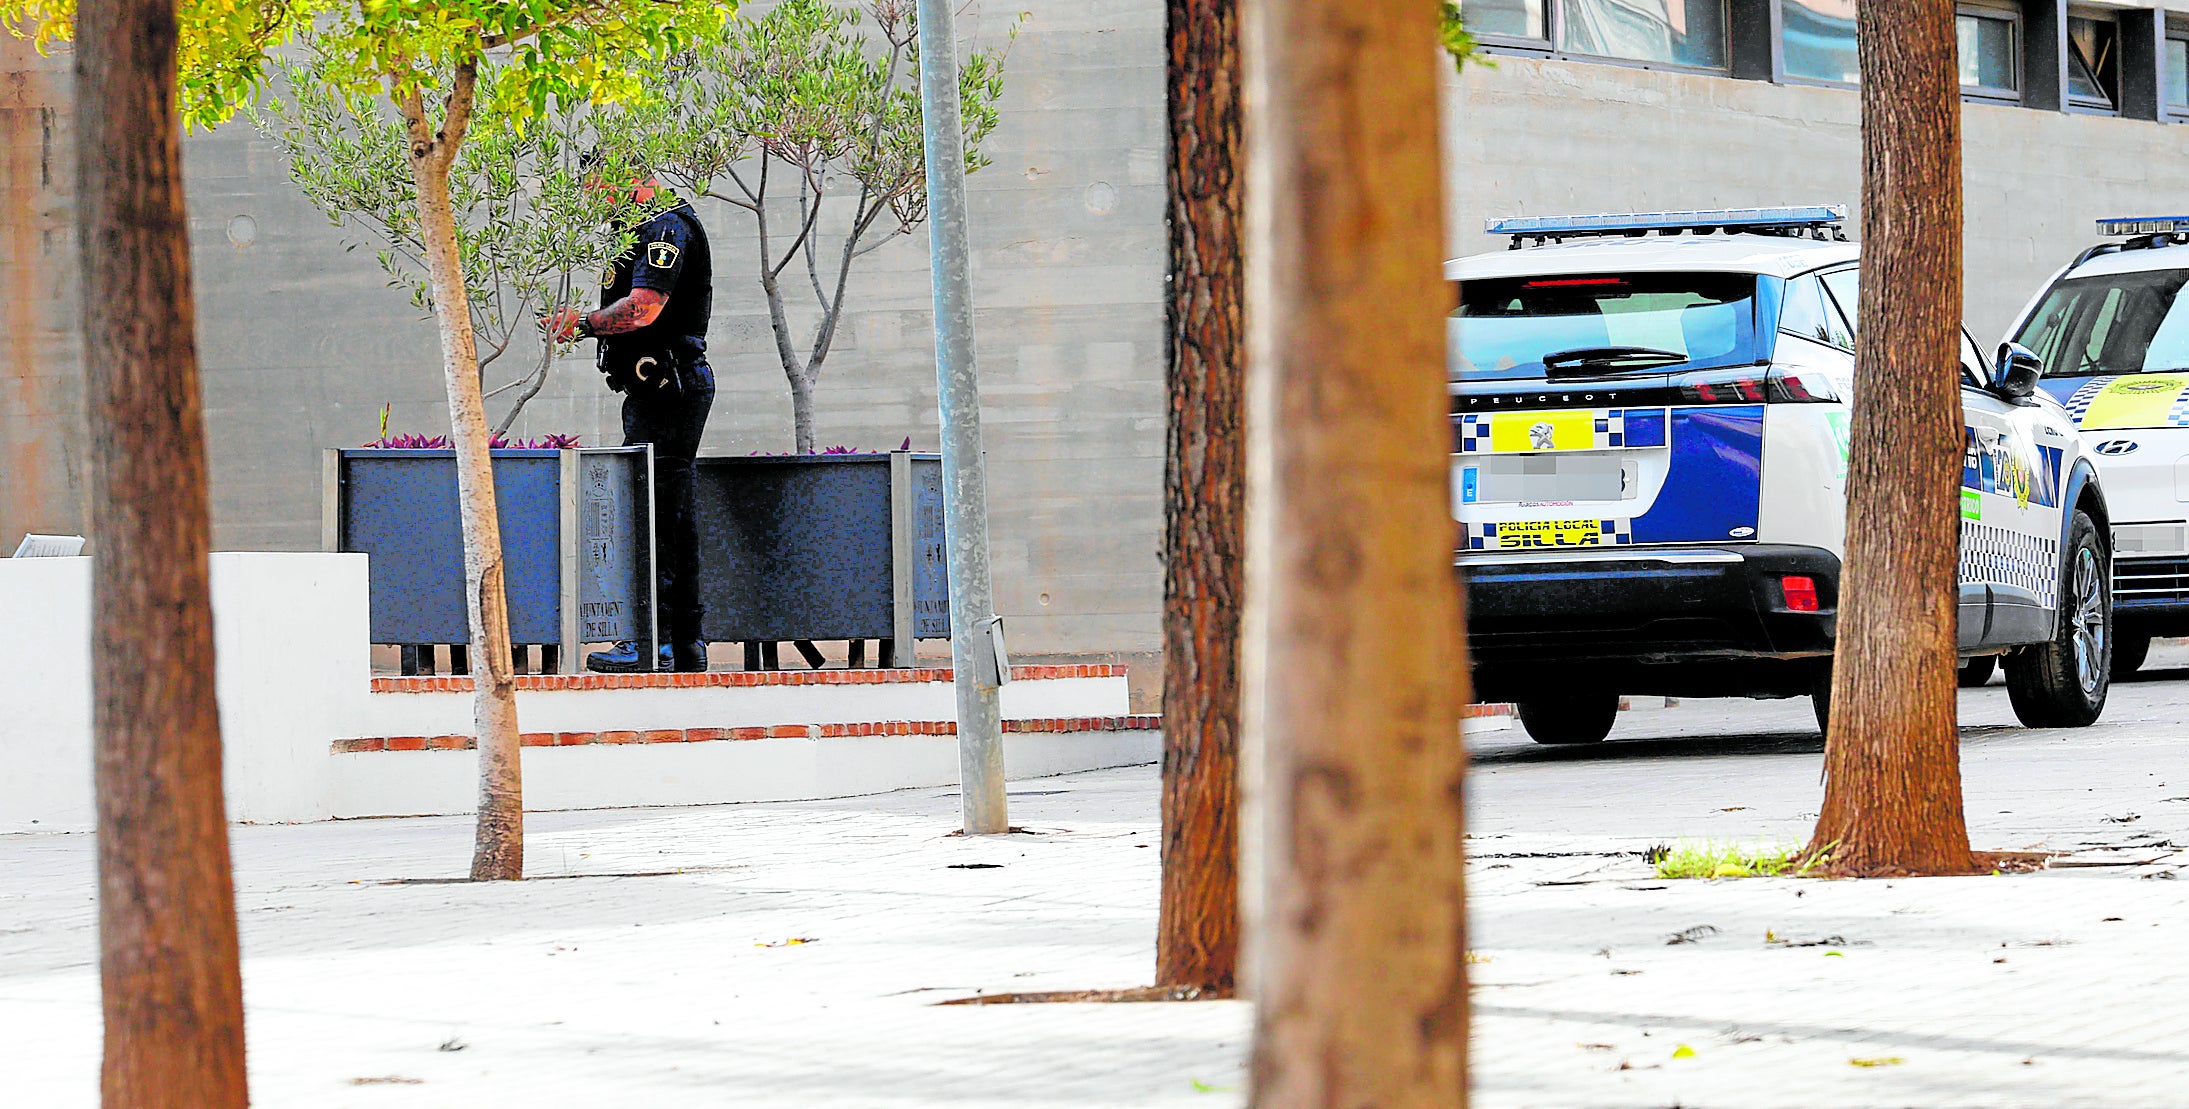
(688, 658)
(623, 658)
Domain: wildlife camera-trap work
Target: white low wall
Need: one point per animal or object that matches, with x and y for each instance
(292, 674)
(422, 783)
(594, 710)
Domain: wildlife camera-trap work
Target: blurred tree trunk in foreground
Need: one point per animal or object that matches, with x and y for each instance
(1892, 795)
(172, 990)
(1197, 938)
(1355, 670)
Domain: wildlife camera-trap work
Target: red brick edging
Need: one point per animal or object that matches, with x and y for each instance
(736, 679)
(775, 731)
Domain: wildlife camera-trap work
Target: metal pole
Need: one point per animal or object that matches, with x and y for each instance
(964, 477)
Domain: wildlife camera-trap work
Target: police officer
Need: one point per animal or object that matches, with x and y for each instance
(651, 328)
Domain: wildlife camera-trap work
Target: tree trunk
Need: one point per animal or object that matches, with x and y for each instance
(1355, 669)
(801, 410)
(170, 985)
(498, 847)
(1197, 936)
(1892, 795)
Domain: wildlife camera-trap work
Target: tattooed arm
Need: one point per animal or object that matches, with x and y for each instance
(635, 311)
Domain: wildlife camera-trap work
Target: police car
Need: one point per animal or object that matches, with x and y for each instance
(2113, 333)
(1650, 424)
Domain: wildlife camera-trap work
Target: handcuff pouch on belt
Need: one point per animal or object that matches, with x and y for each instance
(657, 371)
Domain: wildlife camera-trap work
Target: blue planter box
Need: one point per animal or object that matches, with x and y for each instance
(577, 543)
(823, 546)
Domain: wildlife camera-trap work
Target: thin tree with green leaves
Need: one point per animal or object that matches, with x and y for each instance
(441, 64)
(529, 226)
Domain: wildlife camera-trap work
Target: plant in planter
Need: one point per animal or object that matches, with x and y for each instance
(529, 233)
(814, 103)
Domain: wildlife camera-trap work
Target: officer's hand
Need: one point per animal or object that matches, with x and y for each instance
(562, 323)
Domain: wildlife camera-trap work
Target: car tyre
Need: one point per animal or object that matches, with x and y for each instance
(2062, 683)
(1820, 698)
(2129, 654)
(1581, 717)
(1976, 672)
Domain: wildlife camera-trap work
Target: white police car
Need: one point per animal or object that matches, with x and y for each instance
(2113, 332)
(1650, 424)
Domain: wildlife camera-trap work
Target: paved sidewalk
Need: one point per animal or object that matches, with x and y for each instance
(582, 988)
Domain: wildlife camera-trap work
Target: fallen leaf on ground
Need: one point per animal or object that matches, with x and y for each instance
(1692, 935)
(1201, 1087)
(1683, 1052)
(794, 941)
(1878, 1061)
(388, 1080)
(1595, 1047)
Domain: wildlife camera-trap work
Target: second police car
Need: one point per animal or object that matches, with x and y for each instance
(1650, 424)
(2113, 331)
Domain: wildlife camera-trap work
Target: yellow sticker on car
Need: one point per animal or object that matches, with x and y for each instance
(1521, 432)
(1551, 533)
(2138, 400)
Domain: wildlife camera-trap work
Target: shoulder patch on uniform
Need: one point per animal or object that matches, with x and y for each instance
(661, 256)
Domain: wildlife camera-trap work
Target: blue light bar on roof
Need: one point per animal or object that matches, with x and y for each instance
(2144, 225)
(1810, 215)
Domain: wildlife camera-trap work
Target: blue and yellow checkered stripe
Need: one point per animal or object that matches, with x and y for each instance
(1484, 537)
(1565, 430)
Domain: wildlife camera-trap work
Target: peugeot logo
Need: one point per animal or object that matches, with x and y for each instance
(1543, 437)
(2117, 447)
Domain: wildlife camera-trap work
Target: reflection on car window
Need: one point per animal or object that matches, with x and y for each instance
(1806, 314)
(1505, 327)
(1974, 369)
(1845, 285)
(2115, 324)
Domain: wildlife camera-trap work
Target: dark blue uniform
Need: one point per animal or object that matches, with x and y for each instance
(668, 389)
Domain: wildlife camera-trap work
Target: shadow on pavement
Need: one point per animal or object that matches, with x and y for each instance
(2142, 676)
(1614, 749)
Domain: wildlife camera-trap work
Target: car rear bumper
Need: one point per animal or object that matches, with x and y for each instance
(1647, 606)
(2151, 595)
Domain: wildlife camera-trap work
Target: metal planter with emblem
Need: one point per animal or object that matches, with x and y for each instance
(802, 548)
(577, 544)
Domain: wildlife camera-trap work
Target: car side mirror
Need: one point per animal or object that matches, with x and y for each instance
(2018, 372)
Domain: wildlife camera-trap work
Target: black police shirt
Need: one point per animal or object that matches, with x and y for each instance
(670, 258)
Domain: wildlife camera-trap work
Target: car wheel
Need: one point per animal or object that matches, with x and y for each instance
(1582, 717)
(2062, 683)
(1820, 698)
(2129, 653)
(1976, 672)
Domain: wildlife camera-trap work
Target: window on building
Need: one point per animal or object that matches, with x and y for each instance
(1666, 32)
(1819, 39)
(1518, 19)
(2177, 74)
(2093, 63)
(1990, 48)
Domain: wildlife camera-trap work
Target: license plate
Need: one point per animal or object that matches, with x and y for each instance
(1550, 533)
(1545, 478)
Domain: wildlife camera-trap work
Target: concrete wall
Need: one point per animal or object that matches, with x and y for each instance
(1533, 136)
(290, 632)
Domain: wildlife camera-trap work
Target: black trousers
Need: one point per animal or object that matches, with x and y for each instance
(673, 423)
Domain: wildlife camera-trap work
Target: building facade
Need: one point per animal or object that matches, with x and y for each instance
(1586, 105)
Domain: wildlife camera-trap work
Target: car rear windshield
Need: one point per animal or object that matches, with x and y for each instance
(2121, 323)
(1602, 325)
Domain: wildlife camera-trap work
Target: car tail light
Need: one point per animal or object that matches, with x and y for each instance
(1799, 387)
(1801, 592)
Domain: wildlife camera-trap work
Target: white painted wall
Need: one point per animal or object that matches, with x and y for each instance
(420, 783)
(290, 631)
(294, 674)
(596, 710)
(45, 695)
